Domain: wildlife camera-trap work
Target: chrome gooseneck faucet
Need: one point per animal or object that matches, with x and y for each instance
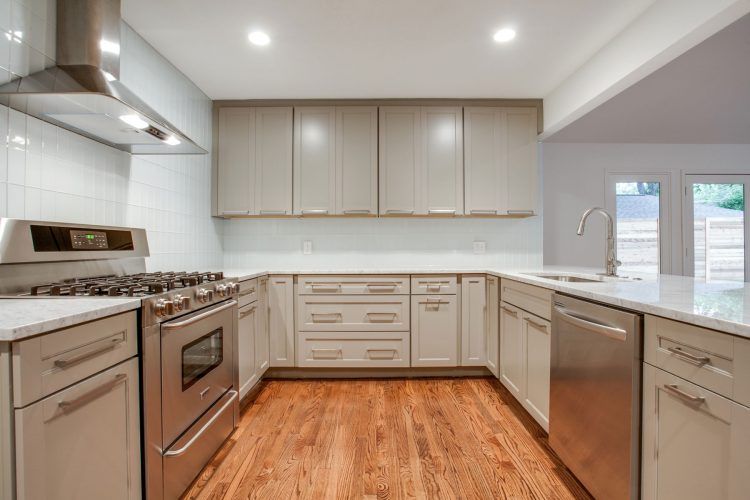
(611, 257)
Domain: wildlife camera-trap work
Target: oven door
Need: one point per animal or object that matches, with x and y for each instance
(196, 365)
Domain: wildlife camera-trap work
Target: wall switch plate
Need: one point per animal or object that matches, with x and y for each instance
(480, 247)
(307, 247)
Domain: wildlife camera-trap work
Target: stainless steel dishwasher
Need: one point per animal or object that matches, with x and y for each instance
(595, 395)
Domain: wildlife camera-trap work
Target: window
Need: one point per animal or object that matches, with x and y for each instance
(640, 206)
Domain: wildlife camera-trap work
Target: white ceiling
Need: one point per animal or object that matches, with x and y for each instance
(701, 97)
(378, 48)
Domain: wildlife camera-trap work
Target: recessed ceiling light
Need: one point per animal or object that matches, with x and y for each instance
(134, 121)
(172, 140)
(259, 38)
(504, 35)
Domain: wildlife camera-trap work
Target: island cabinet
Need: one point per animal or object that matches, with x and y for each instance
(254, 160)
(421, 160)
(696, 418)
(500, 148)
(335, 160)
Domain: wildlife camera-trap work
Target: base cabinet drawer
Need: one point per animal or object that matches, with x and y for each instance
(248, 292)
(530, 298)
(431, 284)
(355, 285)
(347, 350)
(334, 313)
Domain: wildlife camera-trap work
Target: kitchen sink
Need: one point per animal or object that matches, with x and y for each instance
(570, 279)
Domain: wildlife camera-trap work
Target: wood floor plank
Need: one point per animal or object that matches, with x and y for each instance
(385, 439)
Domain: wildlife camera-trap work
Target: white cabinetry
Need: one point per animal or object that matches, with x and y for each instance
(254, 161)
(500, 160)
(246, 357)
(434, 330)
(493, 330)
(281, 320)
(314, 160)
(356, 160)
(536, 362)
(511, 349)
(473, 320)
(421, 160)
(262, 352)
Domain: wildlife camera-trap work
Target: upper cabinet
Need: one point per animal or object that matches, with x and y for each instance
(255, 161)
(314, 161)
(501, 160)
(421, 160)
(357, 160)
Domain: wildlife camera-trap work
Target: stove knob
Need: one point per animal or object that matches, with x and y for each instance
(185, 302)
(235, 288)
(164, 307)
(181, 302)
(202, 295)
(221, 290)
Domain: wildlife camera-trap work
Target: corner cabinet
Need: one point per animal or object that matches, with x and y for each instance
(254, 174)
(421, 160)
(500, 161)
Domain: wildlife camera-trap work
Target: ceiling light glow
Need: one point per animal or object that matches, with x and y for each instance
(172, 140)
(134, 121)
(259, 38)
(504, 35)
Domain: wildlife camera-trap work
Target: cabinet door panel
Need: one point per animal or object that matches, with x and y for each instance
(486, 167)
(281, 320)
(537, 368)
(473, 321)
(493, 330)
(314, 160)
(434, 330)
(262, 353)
(522, 167)
(511, 349)
(442, 154)
(357, 160)
(246, 356)
(273, 161)
(236, 161)
(400, 159)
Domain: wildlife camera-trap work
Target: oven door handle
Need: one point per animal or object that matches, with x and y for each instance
(195, 319)
(183, 449)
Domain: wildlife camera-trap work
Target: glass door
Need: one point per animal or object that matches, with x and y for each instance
(716, 229)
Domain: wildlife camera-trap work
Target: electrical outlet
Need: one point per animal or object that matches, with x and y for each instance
(480, 247)
(307, 247)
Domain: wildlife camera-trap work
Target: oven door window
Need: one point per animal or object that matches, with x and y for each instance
(201, 356)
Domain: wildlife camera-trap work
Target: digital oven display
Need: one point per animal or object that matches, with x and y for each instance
(88, 240)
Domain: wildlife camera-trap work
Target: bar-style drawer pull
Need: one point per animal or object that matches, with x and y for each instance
(273, 212)
(689, 357)
(247, 292)
(431, 301)
(381, 317)
(399, 212)
(68, 406)
(354, 212)
(390, 286)
(483, 212)
(381, 353)
(326, 353)
(432, 285)
(317, 211)
(107, 345)
(247, 312)
(326, 317)
(450, 211)
(674, 389)
(520, 212)
(235, 212)
(509, 311)
(327, 287)
(537, 325)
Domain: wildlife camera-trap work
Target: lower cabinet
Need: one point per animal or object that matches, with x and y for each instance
(696, 443)
(246, 343)
(434, 330)
(353, 349)
(525, 359)
(262, 352)
(493, 330)
(281, 320)
(473, 320)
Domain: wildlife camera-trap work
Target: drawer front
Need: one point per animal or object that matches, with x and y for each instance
(705, 357)
(353, 285)
(353, 313)
(347, 350)
(248, 292)
(424, 284)
(47, 363)
(533, 299)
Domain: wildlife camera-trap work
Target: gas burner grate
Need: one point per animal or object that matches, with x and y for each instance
(131, 285)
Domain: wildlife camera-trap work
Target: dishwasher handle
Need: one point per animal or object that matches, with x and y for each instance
(592, 326)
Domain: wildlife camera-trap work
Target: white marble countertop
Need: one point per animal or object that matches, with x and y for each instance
(719, 305)
(28, 316)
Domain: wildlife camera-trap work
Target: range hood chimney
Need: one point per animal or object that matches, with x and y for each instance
(83, 93)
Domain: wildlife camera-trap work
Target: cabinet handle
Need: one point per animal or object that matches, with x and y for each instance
(520, 212)
(247, 292)
(509, 311)
(395, 212)
(684, 395)
(326, 353)
(246, 312)
(273, 212)
(357, 211)
(68, 406)
(332, 317)
(386, 353)
(441, 211)
(109, 344)
(372, 316)
(331, 287)
(235, 212)
(690, 358)
(316, 211)
(483, 212)
(391, 286)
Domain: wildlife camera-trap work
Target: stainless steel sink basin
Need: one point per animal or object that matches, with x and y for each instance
(570, 279)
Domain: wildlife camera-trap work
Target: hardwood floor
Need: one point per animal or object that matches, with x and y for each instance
(415, 438)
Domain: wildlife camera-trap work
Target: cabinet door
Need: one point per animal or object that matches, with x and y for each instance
(493, 332)
(273, 161)
(511, 349)
(521, 146)
(246, 331)
(314, 160)
(400, 160)
(84, 441)
(442, 181)
(236, 161)
(281, 320)
(486, 166)
(262, 352)
(537, 368)
(357, 160)
(434, 330)
(473, 321)
(695, 442)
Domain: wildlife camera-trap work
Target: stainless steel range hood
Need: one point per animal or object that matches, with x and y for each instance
(82, 93)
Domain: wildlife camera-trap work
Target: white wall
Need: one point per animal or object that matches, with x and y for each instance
(388, 242)
(574, 180)
(51, 174)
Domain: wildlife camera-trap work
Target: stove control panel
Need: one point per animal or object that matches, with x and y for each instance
(88, 240)
(191, 298)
